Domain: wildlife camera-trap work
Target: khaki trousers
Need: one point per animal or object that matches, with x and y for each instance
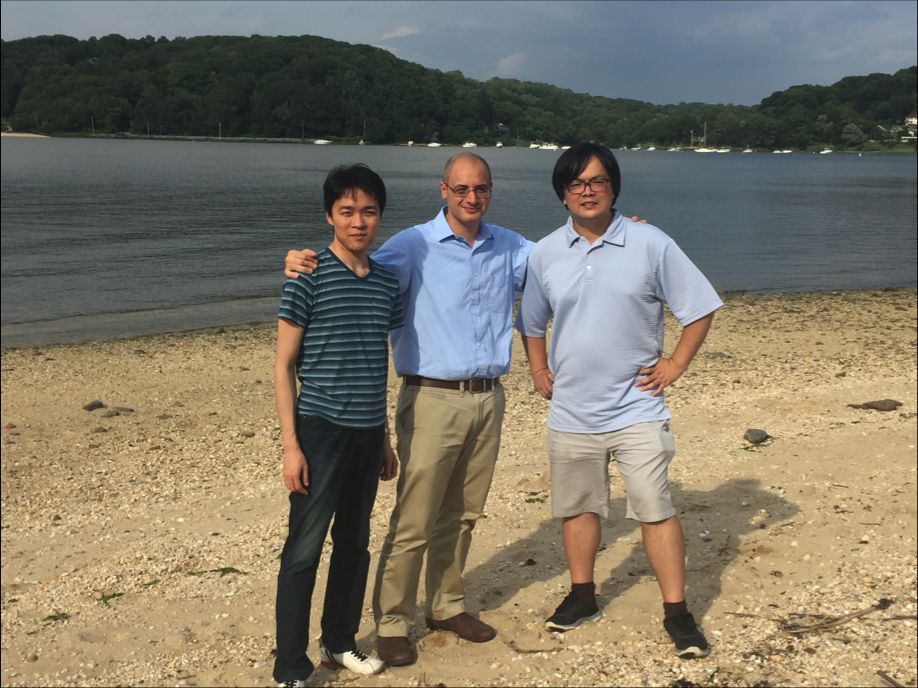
(448, 443)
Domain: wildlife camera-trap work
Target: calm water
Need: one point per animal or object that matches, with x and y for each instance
(105, 238)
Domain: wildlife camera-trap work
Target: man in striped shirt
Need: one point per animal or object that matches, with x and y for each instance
(332, 336)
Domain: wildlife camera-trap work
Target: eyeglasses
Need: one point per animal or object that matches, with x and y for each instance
(596, 185)
(481, 191)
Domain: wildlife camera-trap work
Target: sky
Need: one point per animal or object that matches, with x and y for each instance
(660, 52)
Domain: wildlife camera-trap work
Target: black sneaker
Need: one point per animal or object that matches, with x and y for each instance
(689, 641)
(571, 613)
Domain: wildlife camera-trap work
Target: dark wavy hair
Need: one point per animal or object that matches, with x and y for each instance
(575, 159)
(344, 179)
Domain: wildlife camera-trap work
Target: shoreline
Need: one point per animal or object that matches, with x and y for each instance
(57, 338)
(307, 141)
(140, 540)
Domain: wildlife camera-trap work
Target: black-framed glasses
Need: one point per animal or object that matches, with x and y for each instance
(482, 191)
(597, 185)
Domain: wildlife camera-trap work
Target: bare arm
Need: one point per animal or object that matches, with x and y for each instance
(389, 467)
(299, 262)
(670, 368)
(296, 470)
(537, 353)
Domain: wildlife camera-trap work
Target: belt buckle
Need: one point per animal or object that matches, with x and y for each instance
(476, 385)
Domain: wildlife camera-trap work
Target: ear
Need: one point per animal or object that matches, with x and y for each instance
(329, 220)
(443, 190)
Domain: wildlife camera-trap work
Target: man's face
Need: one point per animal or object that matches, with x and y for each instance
(354, 218)
(466, 174)
(596, 199)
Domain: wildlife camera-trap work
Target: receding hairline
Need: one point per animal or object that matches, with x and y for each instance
(465, 156)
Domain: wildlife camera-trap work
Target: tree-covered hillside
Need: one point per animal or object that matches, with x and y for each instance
(308, 87)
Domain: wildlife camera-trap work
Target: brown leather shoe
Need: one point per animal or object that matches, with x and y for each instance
(395, 651)
(465, 626)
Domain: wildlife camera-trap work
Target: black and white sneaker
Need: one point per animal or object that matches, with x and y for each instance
(688, 639)
(298, 683)
(354, 660)
(571, 613)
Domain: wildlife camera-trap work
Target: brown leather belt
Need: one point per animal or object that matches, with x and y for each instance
(475, 385)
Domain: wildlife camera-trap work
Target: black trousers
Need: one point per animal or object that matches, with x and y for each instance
(344, 465)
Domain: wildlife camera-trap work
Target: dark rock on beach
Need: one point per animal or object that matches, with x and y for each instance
(881, 405)
(755, 436)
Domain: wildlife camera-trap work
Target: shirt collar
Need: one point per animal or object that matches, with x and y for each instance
(614, 234)
(440, 229)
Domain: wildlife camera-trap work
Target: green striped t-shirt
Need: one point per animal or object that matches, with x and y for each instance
(344, 357)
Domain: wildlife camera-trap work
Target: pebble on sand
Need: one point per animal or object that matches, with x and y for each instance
(880, 405)
(755, 436)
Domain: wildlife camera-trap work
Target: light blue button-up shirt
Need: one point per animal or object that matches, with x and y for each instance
(607, 301)
(457, 299)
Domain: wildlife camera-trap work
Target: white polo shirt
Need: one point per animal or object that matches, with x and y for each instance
(607, 302)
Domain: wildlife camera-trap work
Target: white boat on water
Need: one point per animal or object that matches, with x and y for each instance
(651, 148)
(321, 142)
(549, 146)
(636, 148)
(723, 150)
(411, 143)
(705, 150)
(747, 150)
(534, 145)
(827, 151)
(498, 145)
(673, 149)
(434, 144)
(565, 147)
(470, 144)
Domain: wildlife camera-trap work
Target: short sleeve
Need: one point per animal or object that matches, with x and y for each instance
(296, 301)
(683, 287)
(535, 307)
(397, 315)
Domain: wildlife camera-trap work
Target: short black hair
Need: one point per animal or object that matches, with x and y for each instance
(575, 159)
(345, 179)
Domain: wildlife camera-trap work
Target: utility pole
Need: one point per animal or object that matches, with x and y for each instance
(92, 123)
(220, 130)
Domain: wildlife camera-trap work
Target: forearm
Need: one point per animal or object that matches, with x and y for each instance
(285, 401)
(289, 338)
(536, 353)
(690, 341)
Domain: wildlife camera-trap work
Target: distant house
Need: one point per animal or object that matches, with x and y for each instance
(912, 119)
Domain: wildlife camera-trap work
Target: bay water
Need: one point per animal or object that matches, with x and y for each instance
(108, 238)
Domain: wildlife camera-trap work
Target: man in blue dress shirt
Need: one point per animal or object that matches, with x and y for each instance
(458, 276)
(604, 280)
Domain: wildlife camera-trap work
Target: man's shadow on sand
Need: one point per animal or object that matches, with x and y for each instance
(714, 523)
(724, 515)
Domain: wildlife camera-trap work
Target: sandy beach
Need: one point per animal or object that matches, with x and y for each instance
(140, 539)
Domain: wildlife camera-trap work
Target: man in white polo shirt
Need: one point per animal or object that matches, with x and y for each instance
(605, 280)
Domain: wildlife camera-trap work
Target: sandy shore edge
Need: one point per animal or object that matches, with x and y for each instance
(140, 540)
